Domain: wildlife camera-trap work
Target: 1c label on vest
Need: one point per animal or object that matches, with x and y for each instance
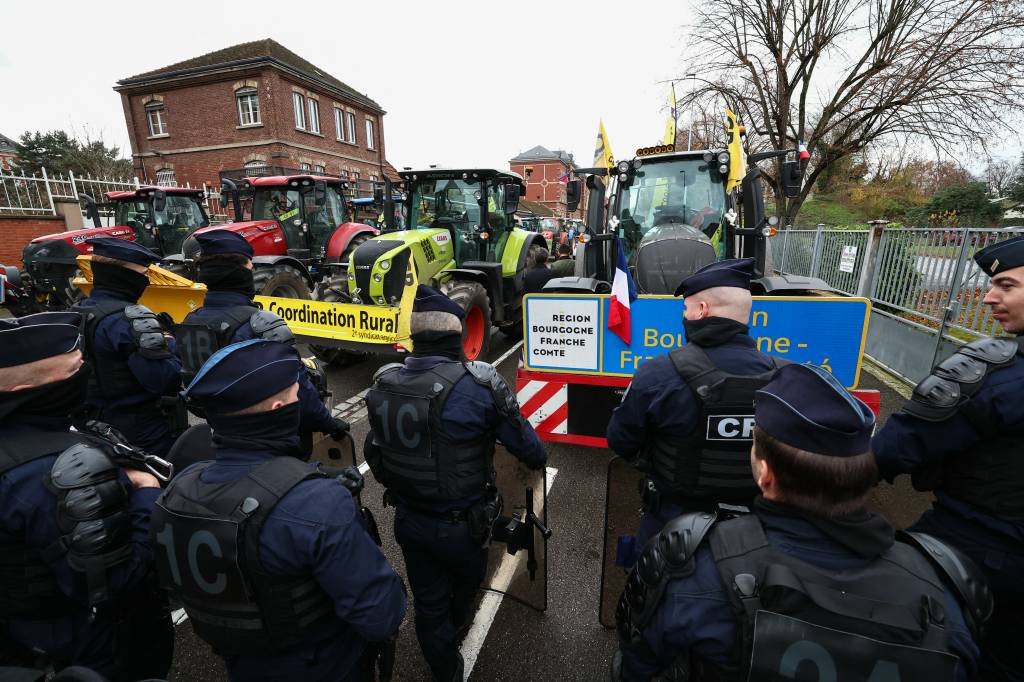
(730, 427)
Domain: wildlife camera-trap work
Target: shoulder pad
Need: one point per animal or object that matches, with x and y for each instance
(81, 465)
(386, 369)
(270, 327)
(992, 351)
(667, 556)
(137, 311)
(956, 379)
(486, 374)
(482, 372)
(959, 571)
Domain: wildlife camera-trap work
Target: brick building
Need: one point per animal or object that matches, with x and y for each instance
(543, 170)
(257, 106)
(8, 152)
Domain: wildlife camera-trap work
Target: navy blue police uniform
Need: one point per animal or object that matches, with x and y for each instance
(75, 554)
(686, 418)
(132, 355)
(228, 316)
(728, 595)
(962, 436)
(436, 409)
(267, 553)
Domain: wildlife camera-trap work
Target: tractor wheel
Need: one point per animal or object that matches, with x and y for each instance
(335, 290)
(476, 328)
(352, 246)
(280, 280)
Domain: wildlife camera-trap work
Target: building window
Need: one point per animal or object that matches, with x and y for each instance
(314, 116)
(155, 116)
(373, 178)
(343, 174)
(350, 119)
(165, 178)
(299, 105)
(320, 169)
(355, 176)
(339, 127)
(255, 169)
(305, 167)
(248, 107)
(369, 134)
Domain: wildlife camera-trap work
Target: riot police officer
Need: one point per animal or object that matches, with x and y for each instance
(962, 435)
(686, 418)
(229, 316)
(74, 526)
(132, 355)
(434, 422)
(268, 554)
(810, 580)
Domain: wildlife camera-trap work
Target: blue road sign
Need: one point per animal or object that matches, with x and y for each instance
(570, 334)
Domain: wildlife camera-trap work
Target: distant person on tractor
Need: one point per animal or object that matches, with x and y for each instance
(539, 274)
(565, 264)
(229, 316)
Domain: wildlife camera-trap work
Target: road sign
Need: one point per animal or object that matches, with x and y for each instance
(569, 333)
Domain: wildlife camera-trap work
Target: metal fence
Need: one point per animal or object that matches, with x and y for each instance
(926, 291)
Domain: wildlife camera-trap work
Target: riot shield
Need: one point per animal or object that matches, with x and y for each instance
(621, 522)
(517, 563)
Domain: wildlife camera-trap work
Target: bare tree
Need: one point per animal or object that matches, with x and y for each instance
(843, 74)
(999, 174)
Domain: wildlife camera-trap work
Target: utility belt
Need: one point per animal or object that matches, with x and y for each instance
(479, 516)
(655, 501)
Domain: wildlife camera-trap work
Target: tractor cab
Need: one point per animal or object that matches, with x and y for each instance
(160, 218)
(308, 209)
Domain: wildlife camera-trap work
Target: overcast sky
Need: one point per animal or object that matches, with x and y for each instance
(462, 82)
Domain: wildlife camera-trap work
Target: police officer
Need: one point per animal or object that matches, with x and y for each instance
(686, 418)
(810, 581)
(434, 422)
(228, 316)
(74, 544)
(133, 357)
(962, 436)
(268, 554)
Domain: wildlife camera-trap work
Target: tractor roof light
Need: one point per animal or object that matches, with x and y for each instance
(484, 236)
(769, 231)
(709, 157)
(623, 177)
(637, 163)
(723, 169)
(623, 166)
(384, 264)
(723, 157)
(465, 176)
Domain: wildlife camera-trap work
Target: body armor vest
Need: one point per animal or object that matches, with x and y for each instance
(419, 462)
(712, 463)
(989, 475)
(206, 539)
(200, 337)
(111, 377)
(92, 515)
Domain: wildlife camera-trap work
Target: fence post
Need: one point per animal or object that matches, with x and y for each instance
(816, 253)
(871, 256)
(136, 180)
(952, 311)
(49, 193)
(74, 187)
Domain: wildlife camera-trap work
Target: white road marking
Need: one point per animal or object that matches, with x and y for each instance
(491, 601)
(178, 616)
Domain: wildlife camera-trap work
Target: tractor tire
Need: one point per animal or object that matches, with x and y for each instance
(280, 280)
(352, 246)
(335, 290)
(476, 328)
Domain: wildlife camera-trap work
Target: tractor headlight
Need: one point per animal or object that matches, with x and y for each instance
(384, 264)
(637, 163)
(723, 157)
(623, 177)
(377, 278)
(623, 166)
(723, 169)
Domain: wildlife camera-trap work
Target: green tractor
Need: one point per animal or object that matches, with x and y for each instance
(461, 239)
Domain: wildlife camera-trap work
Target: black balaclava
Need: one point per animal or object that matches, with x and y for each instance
(276, 430)
(57, 399)
(128, 283)
(431, 343)
(712, 331)
(225, 275)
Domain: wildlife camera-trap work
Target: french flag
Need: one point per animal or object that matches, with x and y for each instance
(623, 293)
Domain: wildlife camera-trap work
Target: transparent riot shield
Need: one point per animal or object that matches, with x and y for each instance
(517, 565)
(621, 522)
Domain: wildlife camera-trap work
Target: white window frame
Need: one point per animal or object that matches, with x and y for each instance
(350, 123)
(251, 109)
(314, 116)
(343, 174)
(339, 125)
(299, 107)
(369, 134)
(253, 165)
(155, 112)
(305, 167)
(322, 170)
(165, 178)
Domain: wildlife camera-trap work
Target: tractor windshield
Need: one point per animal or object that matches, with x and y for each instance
(686, 191)
(446, 203)
(163, 231)
(295, 207)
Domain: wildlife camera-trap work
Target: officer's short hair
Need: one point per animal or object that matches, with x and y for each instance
(434, 321)
(820, 484)
(541, 257)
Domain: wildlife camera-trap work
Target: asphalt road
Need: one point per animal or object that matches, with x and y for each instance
(566, 642)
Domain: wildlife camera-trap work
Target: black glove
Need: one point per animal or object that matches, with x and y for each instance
(166, 321)
(352, 480)
(340, 429)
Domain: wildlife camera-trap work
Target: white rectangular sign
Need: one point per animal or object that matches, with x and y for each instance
(563, 333)
(847, 259)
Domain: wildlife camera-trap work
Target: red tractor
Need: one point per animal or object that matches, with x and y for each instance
(159, 217)
(299, 229)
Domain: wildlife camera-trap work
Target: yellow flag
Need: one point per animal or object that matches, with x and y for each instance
(670, 124)
(603, 150)
(737, 157)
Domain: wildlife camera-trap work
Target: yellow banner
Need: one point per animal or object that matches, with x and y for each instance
(737, 155)
(603, 157)
(670, 124)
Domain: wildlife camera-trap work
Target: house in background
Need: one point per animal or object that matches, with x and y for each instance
(252, 109)
(8, 153)
(545, 173)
